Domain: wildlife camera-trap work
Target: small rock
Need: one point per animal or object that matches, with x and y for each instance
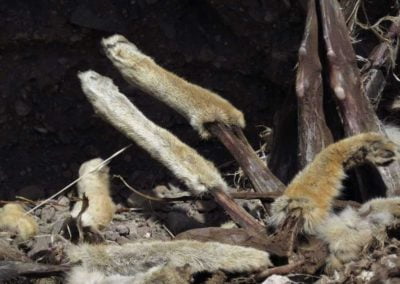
(277, 279)
(122, 230)
(38, 212)
(64, 202)
(40, 247)
(48, 214)
(123, 240)
(111, 235)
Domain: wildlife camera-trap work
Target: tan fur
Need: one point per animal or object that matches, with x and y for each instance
(159, 274)
(314, 188)
(376, 205)
(166, 275)
(132, 258)
(12, 216)
(198, 105)
(95, 184)
(197, 173)
(348, 233)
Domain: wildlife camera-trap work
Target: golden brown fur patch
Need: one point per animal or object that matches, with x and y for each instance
(314, 188)
(197, 104)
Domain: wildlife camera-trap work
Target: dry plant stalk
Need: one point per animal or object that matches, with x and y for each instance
(13, 269)
(199, 175)
(345, 80)
(207, 112)
(381, 61)
(259, 174)
(314, 134)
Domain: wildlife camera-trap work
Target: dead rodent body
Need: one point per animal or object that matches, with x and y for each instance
(14, 217)
(137, 259)
(197, 173)
(95, 185)
(198, 105)
(313, 190)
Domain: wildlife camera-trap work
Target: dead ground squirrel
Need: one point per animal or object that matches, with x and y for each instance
(133, 258)
(314, 188)
(14, 217)
(198, 174)
(95, 184)
(159, 274)
(198, 105)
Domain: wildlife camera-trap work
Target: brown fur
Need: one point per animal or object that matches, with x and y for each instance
(198, 105)
(314, 188)
(12, 216)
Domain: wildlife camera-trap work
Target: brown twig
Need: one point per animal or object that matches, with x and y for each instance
(380, 62)
(357, 113)
(12, 269)
(237, 213)
(236, 143)
(314, 134)
(263, 196)
(280, 270)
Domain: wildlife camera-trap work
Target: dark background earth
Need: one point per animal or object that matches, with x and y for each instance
(244, 50)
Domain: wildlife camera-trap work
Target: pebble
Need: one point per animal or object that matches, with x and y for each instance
(111, 235)
(122, 230)
(48, 214)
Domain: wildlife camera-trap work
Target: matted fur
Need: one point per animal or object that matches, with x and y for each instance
(95, 184)
(314, 188)
(158, 274)
(348, 233)
(12, 216)
(198, 105)
(132, 258)
(196, 172)
(381, 204)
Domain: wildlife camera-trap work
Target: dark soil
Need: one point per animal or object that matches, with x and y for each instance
(245, 51)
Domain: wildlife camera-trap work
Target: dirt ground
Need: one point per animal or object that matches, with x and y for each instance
(244, 51)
